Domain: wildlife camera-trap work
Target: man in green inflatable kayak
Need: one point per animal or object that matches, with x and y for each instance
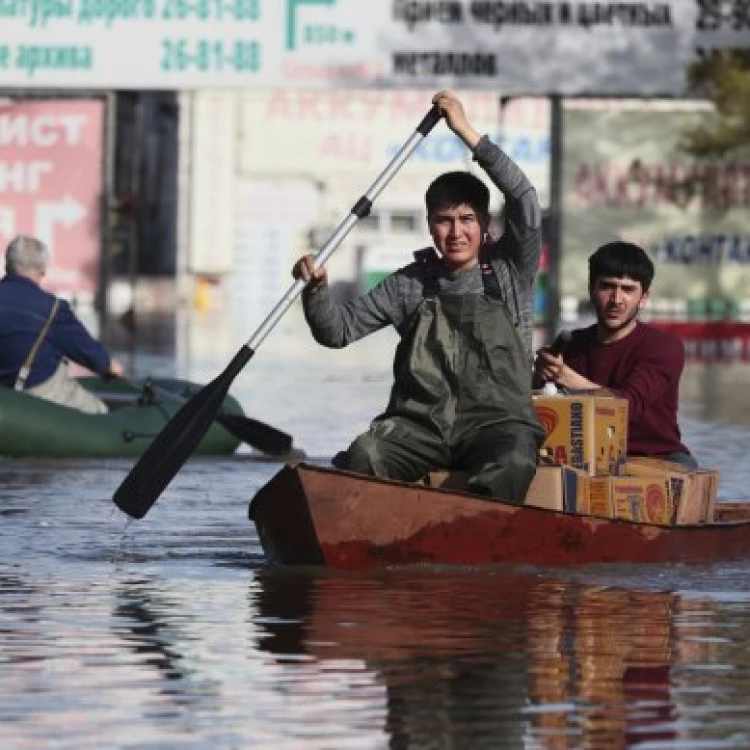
(39, 332)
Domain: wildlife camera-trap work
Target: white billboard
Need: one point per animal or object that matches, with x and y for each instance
(344, 139)
(534, 48)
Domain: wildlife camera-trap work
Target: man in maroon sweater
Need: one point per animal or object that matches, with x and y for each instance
(630, 359)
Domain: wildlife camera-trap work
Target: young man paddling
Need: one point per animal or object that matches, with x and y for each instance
(634, 361)
(461, 396)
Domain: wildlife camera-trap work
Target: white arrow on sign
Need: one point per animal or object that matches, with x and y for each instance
(67, 212)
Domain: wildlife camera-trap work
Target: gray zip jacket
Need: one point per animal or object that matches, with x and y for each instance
(514, 257)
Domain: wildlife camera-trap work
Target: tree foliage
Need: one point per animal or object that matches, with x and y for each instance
(724, 79)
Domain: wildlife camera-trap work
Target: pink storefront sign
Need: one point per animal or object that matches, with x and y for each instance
(51, 159)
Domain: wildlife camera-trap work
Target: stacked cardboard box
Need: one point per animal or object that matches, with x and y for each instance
(633, 498)
(556, 488)
(585, 468)
(693, 492)
(641, 499)
(646, 491)
(658, 492)
(553, 487)
(589, 433)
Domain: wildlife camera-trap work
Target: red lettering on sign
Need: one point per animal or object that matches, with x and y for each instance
(349, 146)
(635, 184)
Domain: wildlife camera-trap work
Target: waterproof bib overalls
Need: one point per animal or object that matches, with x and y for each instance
(461, 397)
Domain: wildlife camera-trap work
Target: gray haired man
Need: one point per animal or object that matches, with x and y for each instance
(39, 332)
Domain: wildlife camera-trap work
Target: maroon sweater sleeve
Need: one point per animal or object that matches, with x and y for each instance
(644, 368)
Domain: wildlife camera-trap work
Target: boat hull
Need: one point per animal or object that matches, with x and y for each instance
(310, 515)
(31, 427)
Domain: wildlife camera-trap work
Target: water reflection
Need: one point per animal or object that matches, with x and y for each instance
(716, 392)
(20, 605)
(153, 627)
(495, 659)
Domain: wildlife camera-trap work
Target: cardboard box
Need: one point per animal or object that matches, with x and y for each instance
(553, 487)
(589, 433)
(693, 491)
(639, 499)
(558, 488)
(547, 489)
(702, 491)
(596, 498)
(643, 499)
(647, 490)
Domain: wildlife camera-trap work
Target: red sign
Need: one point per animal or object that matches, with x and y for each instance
(51, 184)
(711, 341)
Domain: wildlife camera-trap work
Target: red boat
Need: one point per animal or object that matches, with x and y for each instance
(311, 515)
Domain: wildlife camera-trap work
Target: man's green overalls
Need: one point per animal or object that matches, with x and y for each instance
(461, 397)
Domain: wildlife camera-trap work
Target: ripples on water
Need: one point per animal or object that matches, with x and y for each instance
(172, 631)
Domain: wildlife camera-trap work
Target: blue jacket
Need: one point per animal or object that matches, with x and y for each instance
(24, 308)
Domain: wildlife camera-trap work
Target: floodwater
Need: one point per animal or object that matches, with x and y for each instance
(173, 632)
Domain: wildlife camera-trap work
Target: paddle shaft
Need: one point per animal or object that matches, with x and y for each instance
(359, 211)
(180, 436)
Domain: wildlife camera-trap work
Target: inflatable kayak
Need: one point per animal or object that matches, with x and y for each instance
(33, 428)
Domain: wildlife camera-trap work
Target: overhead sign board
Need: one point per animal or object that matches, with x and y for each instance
(558, 46)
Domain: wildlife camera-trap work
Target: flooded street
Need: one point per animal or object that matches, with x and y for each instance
(172, 632)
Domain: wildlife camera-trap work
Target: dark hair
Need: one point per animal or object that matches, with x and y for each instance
(451, 189)
(618, 259)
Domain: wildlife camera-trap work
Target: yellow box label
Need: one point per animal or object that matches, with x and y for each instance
(588, 433)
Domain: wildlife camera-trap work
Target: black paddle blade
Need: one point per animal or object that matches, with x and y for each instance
(258, 434)
(173, 445)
